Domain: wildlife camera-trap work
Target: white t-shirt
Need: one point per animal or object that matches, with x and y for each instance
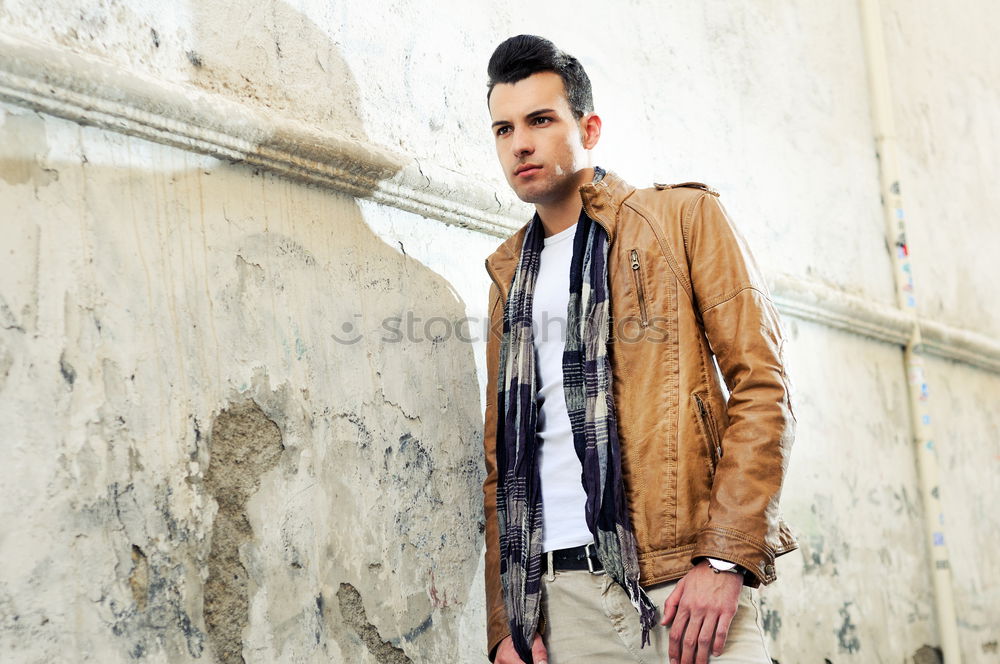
(563, 498)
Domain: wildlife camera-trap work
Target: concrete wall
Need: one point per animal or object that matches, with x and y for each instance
(216, 216)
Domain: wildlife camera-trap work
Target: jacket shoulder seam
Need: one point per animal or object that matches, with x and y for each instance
(686, 222)
(687, 185)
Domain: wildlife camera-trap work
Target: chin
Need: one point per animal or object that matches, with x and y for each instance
(536, 192)
(531, 196)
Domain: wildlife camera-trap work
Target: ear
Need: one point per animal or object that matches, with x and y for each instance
(590, 130)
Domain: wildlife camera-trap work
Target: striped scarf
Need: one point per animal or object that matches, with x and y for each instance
(589, 402)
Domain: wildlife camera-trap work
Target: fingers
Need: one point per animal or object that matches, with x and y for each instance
(687, 644)
(673, 601)
(538, 651)
(706, 637)
(722, 632)
(680, 622)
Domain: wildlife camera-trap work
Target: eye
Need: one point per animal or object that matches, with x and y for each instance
(503, 130)
(542, 120)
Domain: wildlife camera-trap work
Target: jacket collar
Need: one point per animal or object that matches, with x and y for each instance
(601, 202)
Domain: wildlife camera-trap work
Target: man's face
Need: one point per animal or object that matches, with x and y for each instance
(540, 143)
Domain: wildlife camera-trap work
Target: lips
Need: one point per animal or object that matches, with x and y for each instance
(527, 169)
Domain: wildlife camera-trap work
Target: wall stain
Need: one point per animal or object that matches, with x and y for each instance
(847, 635)
(419, 629)
(928, 655)
(772, 622)
(155, 619)
(8, 321)
(6, 363)
(438, 601)
(67, 370)
(243, 445)
(320, 614)
(353, 611)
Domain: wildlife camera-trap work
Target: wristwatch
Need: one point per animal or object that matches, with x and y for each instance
(719, 566)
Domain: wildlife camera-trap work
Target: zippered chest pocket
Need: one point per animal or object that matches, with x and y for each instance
(640, 289)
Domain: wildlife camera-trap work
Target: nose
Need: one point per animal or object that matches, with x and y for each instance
(522, 144)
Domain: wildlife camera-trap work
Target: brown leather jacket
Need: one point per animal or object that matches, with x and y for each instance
(702, 474)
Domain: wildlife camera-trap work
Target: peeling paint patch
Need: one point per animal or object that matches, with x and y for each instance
(25, 141)
(25, 145)
(138, 579)
(244, 445)
(353, 611)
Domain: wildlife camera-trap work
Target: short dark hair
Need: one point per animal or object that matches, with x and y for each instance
(519, 57)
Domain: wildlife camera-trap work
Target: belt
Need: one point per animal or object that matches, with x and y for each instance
(576, 557)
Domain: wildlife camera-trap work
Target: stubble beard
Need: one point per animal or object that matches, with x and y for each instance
(555, 189)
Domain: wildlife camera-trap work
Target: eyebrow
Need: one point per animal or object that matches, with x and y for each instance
(529, 116)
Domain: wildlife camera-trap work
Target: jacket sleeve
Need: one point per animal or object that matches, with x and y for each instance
(496, 614)
(744, 332)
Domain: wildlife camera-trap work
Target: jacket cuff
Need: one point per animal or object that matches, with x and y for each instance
(494, 642)
(493, 647)
(499, 618)
(728, 544)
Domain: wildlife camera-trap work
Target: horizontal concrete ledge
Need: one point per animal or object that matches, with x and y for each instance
(812, 301)
(92, 91)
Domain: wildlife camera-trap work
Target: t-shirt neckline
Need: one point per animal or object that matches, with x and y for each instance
(561, 235)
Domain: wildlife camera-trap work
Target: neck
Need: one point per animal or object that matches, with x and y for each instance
(560, 214)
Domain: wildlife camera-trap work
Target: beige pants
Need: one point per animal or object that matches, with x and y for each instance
(589, 618)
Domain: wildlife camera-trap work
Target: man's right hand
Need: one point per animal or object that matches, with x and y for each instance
(506, 654)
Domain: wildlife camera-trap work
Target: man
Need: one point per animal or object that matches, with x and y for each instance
(620, 481)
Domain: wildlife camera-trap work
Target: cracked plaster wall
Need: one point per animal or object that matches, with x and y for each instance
(153, 296)
(158, 308)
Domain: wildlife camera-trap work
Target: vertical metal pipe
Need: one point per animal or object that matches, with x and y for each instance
(892, 204)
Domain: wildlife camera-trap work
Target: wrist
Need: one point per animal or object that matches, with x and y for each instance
(724, 566)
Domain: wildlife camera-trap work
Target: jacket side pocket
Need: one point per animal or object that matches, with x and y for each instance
(708, 432)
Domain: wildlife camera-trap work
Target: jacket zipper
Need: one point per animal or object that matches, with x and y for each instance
(637, 276)
(590, 213)
(710, 433)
